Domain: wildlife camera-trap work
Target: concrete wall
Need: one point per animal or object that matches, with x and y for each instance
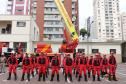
(104, 48)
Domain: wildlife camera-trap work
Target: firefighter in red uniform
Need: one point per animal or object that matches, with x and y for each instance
(47, 65)
(55, 64)
(90, 66)
(13, 63)
(82, 67)
(26, 66)
(112, 66)
(68, 64)
(33, 62)
(104, 65)
(99, 56)
(42, 61)
(63, 62)
(76, 62)
(96, 67)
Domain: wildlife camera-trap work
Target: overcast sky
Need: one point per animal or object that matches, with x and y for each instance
(86, 9)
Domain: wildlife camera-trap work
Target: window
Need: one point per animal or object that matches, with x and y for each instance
(81, 50)
(21, 24)
(57, 29)
(20, 0)
(19, 10)
(95, 50)
(112, 31)
(113, 50)
(50, 29)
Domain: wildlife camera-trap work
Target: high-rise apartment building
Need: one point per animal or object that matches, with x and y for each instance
(19, 7)
(123, 24)
(107, 20)
(52, 24)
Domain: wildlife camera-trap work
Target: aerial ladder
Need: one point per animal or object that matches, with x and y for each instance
(71, 36)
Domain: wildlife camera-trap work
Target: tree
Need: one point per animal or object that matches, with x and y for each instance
(83, 32)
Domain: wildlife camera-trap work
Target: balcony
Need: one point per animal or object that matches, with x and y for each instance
(53, 32)
(51, 12)
(5, 27)
(53, 39)
(35, 4)
(53, 18)
(53, 25)
(50, 5)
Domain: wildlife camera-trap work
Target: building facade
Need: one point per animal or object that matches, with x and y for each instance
(19, 7)
(18, 29)
(123, 24)
(52, 24)
(107, 20)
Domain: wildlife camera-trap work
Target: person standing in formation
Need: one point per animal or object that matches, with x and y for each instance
(55, 64)
(12, 63)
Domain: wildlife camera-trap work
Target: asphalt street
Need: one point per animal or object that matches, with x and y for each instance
(121, 76)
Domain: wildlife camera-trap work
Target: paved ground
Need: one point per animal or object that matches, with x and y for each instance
(121, 75)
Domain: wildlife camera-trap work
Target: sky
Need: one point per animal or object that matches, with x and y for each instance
(86, 9)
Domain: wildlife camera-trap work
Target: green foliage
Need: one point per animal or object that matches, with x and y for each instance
(83, 32)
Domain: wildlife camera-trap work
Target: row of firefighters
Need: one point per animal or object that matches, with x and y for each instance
(80, 66)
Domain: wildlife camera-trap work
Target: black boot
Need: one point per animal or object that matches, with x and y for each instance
(93, 77)
(85, 77)
(66, 77)
(71, 77)
(32, 74)
(52, 76)
(114, 78)
(22, 79)
(9, 77)
(15, 76)
(79, 78)
(74, 71)
(102, 74)
(89, 74)
(58, 77)
(99, 78)
(39, 78)
(109, 78)
(43, 77)
(28, 77)
(76, 74)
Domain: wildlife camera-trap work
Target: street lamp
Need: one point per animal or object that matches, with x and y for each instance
(88, 35)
